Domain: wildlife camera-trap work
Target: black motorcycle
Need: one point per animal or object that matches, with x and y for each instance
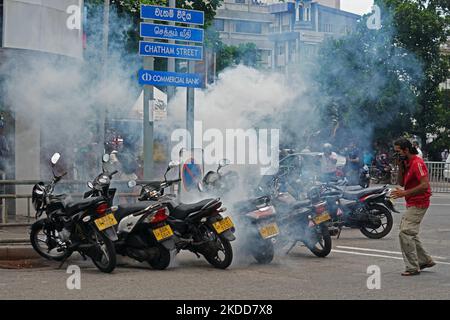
(80, 226)
(143, 232)
(303, 221)
(198, 227)
(256, 217)
(369, 210)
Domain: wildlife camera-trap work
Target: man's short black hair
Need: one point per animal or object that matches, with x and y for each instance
(404, 143)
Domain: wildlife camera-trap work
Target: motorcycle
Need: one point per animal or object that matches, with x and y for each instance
(369, 210)
(142, 232)
(81, 226)
(197, 227)
(302, 221)
(255, 216)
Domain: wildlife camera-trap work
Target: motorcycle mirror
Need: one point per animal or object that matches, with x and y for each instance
(172, 164)
(131, 184)
(90, 185)
(105, 158)
(224, 162)
(55, 158)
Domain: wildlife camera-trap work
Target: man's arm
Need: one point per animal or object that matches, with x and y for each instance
(421, 188)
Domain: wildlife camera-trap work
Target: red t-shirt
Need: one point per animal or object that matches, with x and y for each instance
(415, 170)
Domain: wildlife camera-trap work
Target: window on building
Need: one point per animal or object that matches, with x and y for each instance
(219, 24)
(248, 27)
(307, 13)
(239, 1)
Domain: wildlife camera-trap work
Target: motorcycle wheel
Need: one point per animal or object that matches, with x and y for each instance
(45, 244)
(386, 226)
(221, 255)
(162, 261)
(107, 263)
(263, 252)
(322, 248)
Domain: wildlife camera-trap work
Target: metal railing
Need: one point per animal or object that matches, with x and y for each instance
(438, 173)
(71, 187)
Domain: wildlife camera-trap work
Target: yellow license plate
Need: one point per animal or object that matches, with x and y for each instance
(163, 233)
(105, 222)
(268, 231)
(223, 225)
(322, 218)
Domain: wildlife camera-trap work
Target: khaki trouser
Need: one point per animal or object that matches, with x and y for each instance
(414, 254)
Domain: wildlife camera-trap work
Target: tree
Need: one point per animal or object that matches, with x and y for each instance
(245, 53)
(387, 81)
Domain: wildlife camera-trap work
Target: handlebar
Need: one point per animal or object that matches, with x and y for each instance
(113, 173)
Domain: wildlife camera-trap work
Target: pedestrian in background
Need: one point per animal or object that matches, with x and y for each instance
(413, 176)
(353, 164)
(444, 155)
(419, 152)
(328, 163)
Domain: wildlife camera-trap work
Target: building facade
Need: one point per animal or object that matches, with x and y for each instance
(285, 32)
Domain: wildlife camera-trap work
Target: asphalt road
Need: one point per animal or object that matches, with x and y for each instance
(299, 275)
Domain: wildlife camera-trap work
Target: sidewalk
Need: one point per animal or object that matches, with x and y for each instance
(15, 243)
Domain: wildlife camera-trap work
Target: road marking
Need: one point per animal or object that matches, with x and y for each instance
(378, 255)
(382, 251)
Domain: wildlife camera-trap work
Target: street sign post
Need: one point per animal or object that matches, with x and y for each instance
(148, 49)
(172, 14)
(167, 50)
(161, 31)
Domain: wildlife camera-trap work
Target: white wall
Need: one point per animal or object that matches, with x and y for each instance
(42, 25)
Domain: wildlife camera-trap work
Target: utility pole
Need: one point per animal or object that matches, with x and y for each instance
(190, 108)
(148, 118)
(104, 108)
(171, 61)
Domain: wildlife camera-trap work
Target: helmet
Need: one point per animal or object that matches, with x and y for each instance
(327, 147)
(38, 196)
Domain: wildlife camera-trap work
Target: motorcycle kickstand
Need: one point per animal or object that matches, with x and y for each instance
(63, 261)
(292, 247)
(339, 233)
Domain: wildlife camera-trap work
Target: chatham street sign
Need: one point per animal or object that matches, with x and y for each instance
(167, 50)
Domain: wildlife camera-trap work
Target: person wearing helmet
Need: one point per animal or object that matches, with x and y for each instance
(328, 163)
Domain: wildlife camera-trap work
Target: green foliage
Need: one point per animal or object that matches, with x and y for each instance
(246, 54)
(387, 80)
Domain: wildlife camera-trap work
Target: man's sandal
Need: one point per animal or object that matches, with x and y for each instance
(427, 265)
(411, 273)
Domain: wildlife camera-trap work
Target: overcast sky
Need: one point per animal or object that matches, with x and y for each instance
(357, 6)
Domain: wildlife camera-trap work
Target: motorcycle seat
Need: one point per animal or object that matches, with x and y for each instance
(301, 204)
(183, 210)
(354, 195)
(252, 204)
(74, 207)
(125, 210)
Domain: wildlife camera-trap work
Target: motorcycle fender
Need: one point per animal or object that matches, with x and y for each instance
(169, 244)
(389, 205)
(111, 234)
(229, 235)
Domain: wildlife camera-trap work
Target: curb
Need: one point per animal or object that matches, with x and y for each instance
(17, 252)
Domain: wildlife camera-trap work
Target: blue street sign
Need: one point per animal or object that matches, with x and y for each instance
(167, 50)
(162, 78)
(172, 14)
(160, 31)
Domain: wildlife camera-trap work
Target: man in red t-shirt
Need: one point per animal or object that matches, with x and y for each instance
(413, 176)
